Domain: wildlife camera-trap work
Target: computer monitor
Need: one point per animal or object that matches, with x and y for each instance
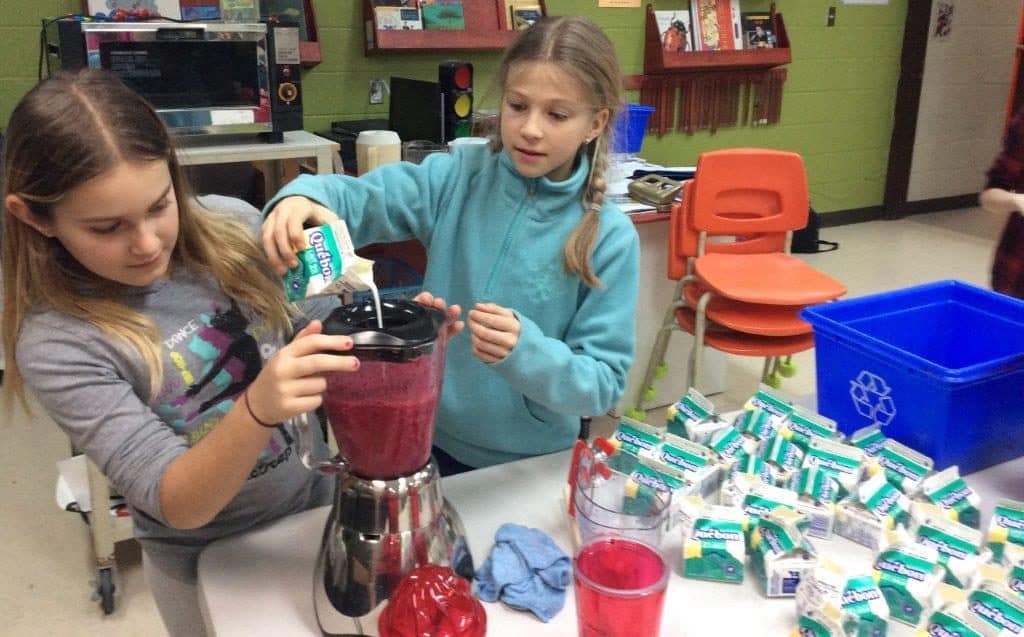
(414, 111)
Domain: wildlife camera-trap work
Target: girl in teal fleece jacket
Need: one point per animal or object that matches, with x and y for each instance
(520, 233)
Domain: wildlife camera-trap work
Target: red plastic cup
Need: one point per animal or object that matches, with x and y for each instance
(620, 588)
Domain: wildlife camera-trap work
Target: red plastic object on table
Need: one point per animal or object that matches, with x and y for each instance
(432, 601)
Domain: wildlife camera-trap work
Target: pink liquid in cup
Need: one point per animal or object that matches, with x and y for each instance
(620, 588)
(383, 414)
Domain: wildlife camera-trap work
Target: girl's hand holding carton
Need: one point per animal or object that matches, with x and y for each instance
(284, 229)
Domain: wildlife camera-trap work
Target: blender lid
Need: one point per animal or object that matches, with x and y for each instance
(406, 323)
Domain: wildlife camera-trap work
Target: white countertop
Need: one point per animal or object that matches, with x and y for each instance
(260, 583)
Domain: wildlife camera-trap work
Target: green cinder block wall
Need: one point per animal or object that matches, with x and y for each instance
(837, 108)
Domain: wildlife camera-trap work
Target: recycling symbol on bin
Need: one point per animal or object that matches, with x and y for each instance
(871, 398)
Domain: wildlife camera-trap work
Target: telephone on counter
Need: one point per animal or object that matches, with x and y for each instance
(656, 190)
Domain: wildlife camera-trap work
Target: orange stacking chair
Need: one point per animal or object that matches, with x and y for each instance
(739, 290)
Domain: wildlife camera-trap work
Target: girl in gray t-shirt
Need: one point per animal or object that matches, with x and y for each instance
(152, 329)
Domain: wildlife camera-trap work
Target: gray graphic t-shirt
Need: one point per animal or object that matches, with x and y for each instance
(98, 390)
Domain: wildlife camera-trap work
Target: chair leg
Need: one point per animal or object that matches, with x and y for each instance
(657, 355)
(697, 351)
(668, 324)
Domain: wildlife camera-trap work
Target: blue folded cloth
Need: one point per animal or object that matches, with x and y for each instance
(525, 570)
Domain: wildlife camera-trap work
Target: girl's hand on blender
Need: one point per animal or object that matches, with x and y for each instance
(292, 382)
(454, 324)
(283, 229)
(494, 331)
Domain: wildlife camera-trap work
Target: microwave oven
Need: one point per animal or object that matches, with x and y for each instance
(203, 78)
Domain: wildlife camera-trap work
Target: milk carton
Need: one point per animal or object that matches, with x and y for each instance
(998, 607)
(948, 490)
(1006, 526)
(693, 417)
(817, 492)
(844, 462)
(903, 466)
(713, 546)
(958, 545)
(952, 619)
(780, 556)
(868, 439)
(869, 515)
(328, 265)
(803, 425)
(908, 574)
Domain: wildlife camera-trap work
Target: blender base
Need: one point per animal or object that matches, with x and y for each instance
(377, 532)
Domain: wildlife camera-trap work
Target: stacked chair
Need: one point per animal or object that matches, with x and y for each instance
(739, 289)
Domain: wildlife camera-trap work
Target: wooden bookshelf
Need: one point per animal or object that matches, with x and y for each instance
(486, 30)
(659, 61)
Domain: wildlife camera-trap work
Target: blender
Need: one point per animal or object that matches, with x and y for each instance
(389, 515)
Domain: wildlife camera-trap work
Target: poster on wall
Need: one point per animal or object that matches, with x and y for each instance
(166, 8)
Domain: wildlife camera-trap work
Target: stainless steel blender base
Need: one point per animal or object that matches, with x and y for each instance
(364, 555)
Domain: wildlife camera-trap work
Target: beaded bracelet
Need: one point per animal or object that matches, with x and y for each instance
(248, 407)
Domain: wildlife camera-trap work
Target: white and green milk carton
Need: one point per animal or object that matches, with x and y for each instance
(870, 514)
(698, 464)
(328, 265)
(628, 440)
(780, 555)
(952, 619)
(958, 545)
(693, 417)
(845, 462)
(803, 425)
(903, 466)
(1006, 526)
(713, 547)
(951, 492)
(908, 575)
(999, 607)
(817, 492)
(864, 600)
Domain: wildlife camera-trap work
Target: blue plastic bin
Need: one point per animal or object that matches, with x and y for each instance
(395, 279)
(940, 366)
(630, 128)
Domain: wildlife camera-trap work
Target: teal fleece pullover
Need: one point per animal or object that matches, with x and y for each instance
(493, 236)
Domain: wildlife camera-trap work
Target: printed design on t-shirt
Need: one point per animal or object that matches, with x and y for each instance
(216, 355)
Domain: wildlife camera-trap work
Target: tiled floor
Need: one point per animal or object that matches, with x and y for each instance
(46, 552)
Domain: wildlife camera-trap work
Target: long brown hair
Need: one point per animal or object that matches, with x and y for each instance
(582, 50)
(72, 128)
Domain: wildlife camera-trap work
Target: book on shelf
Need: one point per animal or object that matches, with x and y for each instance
(521, 15)
(674, 28)
(716, 25)
(398, 18)
(200, 9)
(758, 32)
(444, 15)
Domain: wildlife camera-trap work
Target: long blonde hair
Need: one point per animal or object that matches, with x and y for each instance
(72, 128)
(582, 50)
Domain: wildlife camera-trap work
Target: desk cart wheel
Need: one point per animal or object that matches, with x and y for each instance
(787, 368)
(650, 394)
(105, 588)
(661, 371)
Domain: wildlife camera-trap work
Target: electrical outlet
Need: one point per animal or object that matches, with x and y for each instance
(830, 20)
(376, 91)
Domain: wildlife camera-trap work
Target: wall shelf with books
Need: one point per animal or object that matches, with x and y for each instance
(658, 60)
(485, 25)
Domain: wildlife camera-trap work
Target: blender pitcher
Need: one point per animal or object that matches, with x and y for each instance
(382, 415)
(389, 515)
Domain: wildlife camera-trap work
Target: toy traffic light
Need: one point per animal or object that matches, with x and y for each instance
(455, 81)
